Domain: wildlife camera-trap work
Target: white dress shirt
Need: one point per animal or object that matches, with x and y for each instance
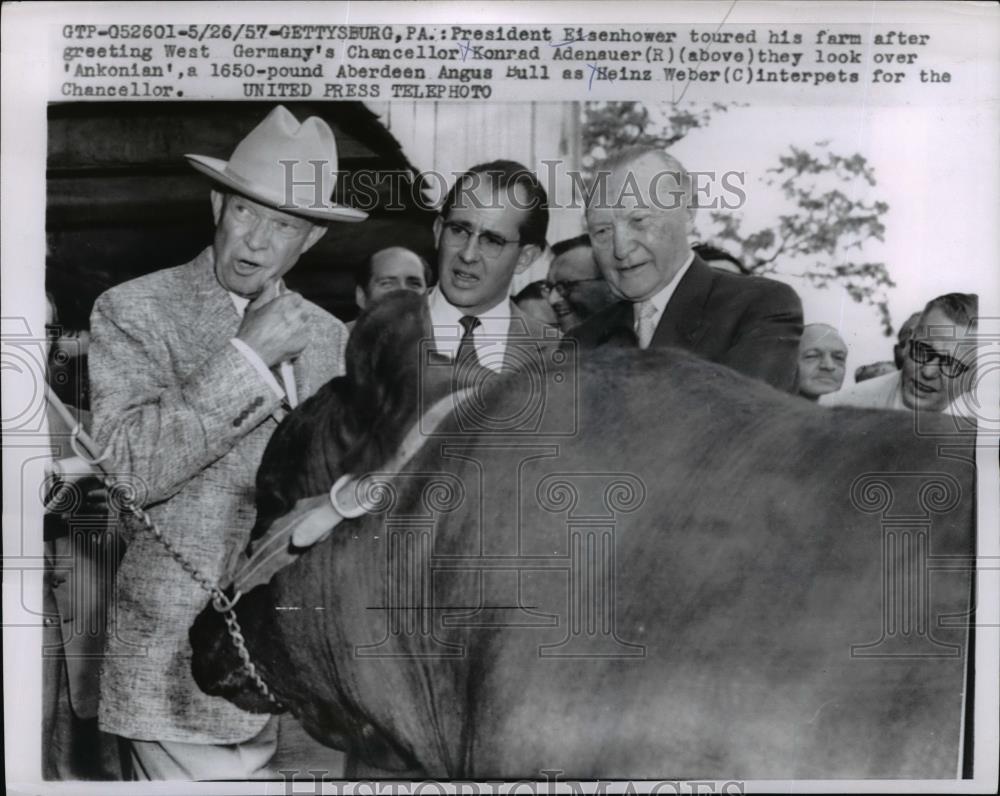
(489, 338)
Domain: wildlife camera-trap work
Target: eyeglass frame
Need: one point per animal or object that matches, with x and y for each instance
(947, 364)
(492, 239)
(564, 285)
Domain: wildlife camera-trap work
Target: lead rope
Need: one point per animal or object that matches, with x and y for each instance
(84, 447)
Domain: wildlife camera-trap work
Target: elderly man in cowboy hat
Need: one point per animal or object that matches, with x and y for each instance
(192, 368)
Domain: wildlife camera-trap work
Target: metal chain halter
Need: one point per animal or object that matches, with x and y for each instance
(83, 446)
(220, 602)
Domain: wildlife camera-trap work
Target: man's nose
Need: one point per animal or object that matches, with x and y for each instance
(931, 369)
(622, 242)
(826, 363)
(258, 236)
(554, 297)
(470, 251)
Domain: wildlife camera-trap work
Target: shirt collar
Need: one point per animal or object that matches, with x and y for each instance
(660, 299)
(445, 317)
(490, 335)
(239, 302)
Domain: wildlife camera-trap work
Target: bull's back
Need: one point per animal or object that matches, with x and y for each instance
(725, 593)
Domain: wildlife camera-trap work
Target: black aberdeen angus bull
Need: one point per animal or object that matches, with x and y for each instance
(679, 573)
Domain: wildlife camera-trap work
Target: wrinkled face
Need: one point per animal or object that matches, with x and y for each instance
(578, 288)
(822, 362)
(256, 245)
(394, 268)
(470, 277)
(926, 387)
(639, 230)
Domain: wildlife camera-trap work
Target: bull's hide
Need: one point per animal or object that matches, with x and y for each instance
(679, 573)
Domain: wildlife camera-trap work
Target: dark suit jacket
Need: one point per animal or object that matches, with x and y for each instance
(749, 323)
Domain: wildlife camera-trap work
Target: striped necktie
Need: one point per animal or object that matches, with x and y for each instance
(645, 312)
(466, 346)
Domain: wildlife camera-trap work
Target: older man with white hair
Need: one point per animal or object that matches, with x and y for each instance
(640, 218)
(822, 361)
(191, 369)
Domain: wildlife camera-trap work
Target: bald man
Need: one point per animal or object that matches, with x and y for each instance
(822, 361)
(639, 220)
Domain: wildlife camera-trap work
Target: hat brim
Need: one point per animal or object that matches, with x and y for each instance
(216, 169)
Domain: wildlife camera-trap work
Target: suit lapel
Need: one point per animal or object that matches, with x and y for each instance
(683, 320)
(214, 316)
(617, 325)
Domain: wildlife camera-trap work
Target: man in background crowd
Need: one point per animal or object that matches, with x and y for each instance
(938, 366)
(192, 368)
(577, 290)
(394, 268)
(639, 219)
(492, 225)
(81, 553)
(533, 300)
(822, 361)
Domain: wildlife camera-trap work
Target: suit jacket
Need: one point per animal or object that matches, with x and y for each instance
(749, 323)
(184, 418)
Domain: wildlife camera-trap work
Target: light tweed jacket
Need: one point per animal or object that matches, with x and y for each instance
(186, 417)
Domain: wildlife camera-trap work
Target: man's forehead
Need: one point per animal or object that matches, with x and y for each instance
(822, 336)
(397, 260)
(943, 333)
(647, 183)
(265, 210)
(482, 202)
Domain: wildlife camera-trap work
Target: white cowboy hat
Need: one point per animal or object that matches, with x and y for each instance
(257, 167)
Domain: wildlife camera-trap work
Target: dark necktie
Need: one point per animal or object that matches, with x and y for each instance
(466, 346)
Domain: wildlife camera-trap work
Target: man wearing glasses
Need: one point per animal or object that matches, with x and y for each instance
(576, 288)
(492, 225)
(938, 367)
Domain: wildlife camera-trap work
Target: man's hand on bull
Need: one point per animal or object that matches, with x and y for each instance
(275, 328)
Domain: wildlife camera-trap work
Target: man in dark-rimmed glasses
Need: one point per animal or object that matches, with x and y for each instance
(938, 366)
(492, 226)
(576, 288)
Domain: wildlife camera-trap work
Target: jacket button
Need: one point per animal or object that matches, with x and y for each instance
(237, 422)
(259, 401)
(49, 621)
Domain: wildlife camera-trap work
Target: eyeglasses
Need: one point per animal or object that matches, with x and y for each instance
(490, 244)
(565, 285)
(923, 354)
